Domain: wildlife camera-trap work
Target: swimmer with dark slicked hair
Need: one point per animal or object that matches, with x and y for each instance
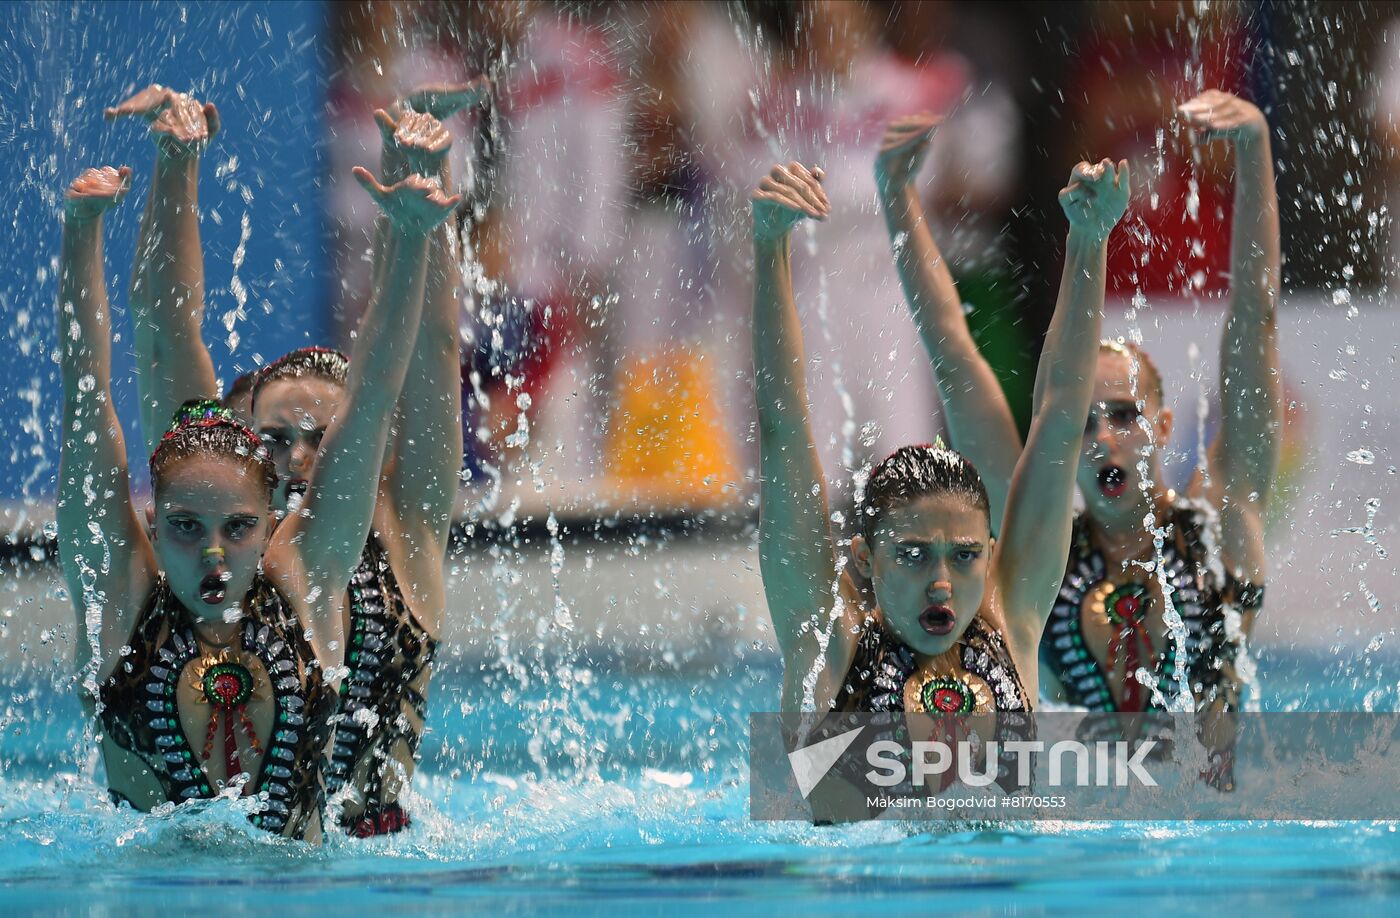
(213, 624)
(1110, 621)
(956, 615)
(395, 604)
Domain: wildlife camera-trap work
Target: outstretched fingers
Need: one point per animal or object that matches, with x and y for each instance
(146, 103)
(94, 191)
(369, 183)
(791, 194)
(804, 186)
(387, 125)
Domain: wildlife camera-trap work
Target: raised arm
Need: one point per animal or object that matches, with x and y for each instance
(1029, 561)
(106, 555)
(167, 277)
(797, 553)
(427, 448)
(314, 551)
(1245, 455)
(980, 422)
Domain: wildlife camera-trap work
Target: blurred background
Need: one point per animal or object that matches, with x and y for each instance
(609, 475)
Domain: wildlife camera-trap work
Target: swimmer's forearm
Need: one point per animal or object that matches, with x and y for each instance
(167, 297)
(1029, 559)
(779, 374)
(1255, 249)
(1065, 378)
(1250, 386)
(979, 418)
(385, 338)
(425, 474)
(796, 550)
(340, 504)
(84, 319)
(923, 272)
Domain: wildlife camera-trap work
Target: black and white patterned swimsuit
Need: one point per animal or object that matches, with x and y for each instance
(883, 665)
(1200, 595)
(383, 701)
(140, 713)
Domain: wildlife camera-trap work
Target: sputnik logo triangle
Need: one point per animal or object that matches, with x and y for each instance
(811, 763)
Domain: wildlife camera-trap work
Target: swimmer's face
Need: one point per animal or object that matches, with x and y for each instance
(929, 567)
(291, 417)
(1121, 430)
(212, 524)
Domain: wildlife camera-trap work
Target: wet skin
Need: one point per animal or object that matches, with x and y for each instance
(211, 520)
(1122, 429)
(930, 557)
(291, 416)
(1114, 437)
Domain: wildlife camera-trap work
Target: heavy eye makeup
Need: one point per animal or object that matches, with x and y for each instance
(184, 526)
(240, 527)
(967, 552)
(275, 438)
(917, 553)
(1120, 416)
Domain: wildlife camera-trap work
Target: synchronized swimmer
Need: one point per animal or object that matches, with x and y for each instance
(271, 627)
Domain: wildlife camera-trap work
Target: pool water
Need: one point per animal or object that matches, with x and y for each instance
(597, 790)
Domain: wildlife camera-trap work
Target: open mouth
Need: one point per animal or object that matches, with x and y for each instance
(1113, 481)
(938, 620)
(296, 493)
(211, 588)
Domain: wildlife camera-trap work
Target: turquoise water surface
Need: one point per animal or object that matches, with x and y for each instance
(593, 792)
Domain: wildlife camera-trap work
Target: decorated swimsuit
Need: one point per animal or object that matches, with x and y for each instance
(1200, 594)
(883, 665)
(383, 699)
(140, 713)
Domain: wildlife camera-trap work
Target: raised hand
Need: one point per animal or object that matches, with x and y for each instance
(180, 125)
(1219, 115)
(786, 196)
(903, 149)
(95, 192)
(443, 100)
(415, 205)
(415, 142)
(1096, 197)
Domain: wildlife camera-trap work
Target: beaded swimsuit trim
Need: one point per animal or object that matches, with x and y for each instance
(1196, 594)
(387, 652)
(882, 665)
(141, 716)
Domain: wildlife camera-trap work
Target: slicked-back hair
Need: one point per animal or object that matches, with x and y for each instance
(320, 362)
(1149, 378)
(912, 472)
